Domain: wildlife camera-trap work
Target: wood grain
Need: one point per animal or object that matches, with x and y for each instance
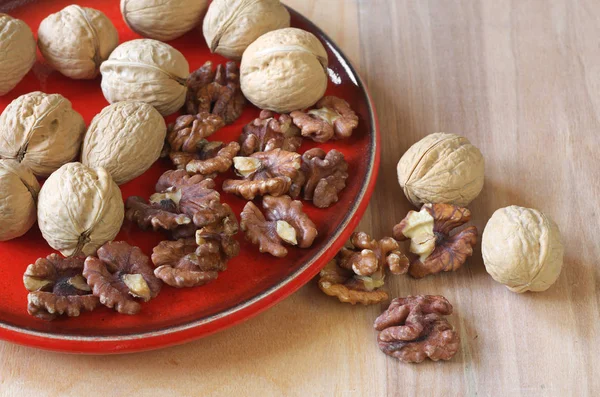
(520, 79)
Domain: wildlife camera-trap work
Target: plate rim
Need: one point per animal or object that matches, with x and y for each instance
(183, 333)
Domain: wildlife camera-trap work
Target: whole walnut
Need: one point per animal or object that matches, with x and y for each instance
(162, 20)
(125, 138)
(41, 131)
(148, 71)
(441, 169)
(18, 196)
(79, 209)
(17, 46)
(522, 249)
(230, 26)
(284, 70)
(76, 40)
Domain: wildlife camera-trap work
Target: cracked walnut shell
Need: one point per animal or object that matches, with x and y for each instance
(434, 249)
(285, 221)
(149, 71)
(284, 70)
(522, 249)
(162, 20)
(126, 138)
(332, 118)
(230, 26)
(441, 168)
(266, 133)
(18, 49)
(325, 174)
(276, 172)
(413, 329)
(120, 275)
(79, 209)
(56, 287)
(41, 131)
(216, 91)
(76, 40)
(18, 199)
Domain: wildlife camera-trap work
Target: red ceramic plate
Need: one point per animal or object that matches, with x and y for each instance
(253, 281)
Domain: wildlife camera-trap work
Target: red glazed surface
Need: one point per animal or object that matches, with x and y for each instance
(252, 283)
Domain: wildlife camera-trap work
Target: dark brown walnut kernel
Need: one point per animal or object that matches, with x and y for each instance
(267, 133)
(433, 249)
(273, 172)
(120, 276)
(193, 262)
(189, 131)
(56, 287)
(413, 329)
(156, 216)
(366, 256)
(325, 174)
(332, 118)
(216, 91)
(214, 158)
(350, 288)
(285, 222)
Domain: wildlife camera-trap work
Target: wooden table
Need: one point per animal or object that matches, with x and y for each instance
(521, 80)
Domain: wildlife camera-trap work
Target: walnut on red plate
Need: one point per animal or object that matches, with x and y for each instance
(189, 131)
(276, 172)
(432, 248)
(56, 287)
(358, 272)
(332, 118)
(216, 91)
(413, 329)
(325, 174)
(267, 133)
(284, 221)
(182, 200)
(210, 159)
(120, 276)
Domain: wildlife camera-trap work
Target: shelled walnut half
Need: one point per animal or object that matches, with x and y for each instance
(434, 249)
(358, 272)
(413, 329)
(267, 133)
(332, 118)
(56, 287)
(325, 175)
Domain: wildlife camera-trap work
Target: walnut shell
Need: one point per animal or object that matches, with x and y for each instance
(162, 20)
(148, 71)
(17, 46)
(79, 209)
(441, 169)
(41, 131)
(18, 195)
(522, 249)
(230, 26)
(125, 138)
(76, 40)
(284, 70)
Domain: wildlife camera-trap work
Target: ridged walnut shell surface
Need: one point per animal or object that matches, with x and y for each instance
(522, 249)
(41, 131)
(230, 26)
(146, 70)
(162, 20)
(76, 40)
(18, 196)
(125, 138)
(79, 209)
(284, 70)
(441, 169)
(17, 52)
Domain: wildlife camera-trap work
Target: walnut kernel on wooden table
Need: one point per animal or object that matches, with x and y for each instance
(285, 222)
(433, 249)
(267, 133)
(120, 275)
(413, 329)
(56, 287)
(332, 118)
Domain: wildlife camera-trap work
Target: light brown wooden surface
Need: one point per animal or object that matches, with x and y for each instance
(520, 79)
